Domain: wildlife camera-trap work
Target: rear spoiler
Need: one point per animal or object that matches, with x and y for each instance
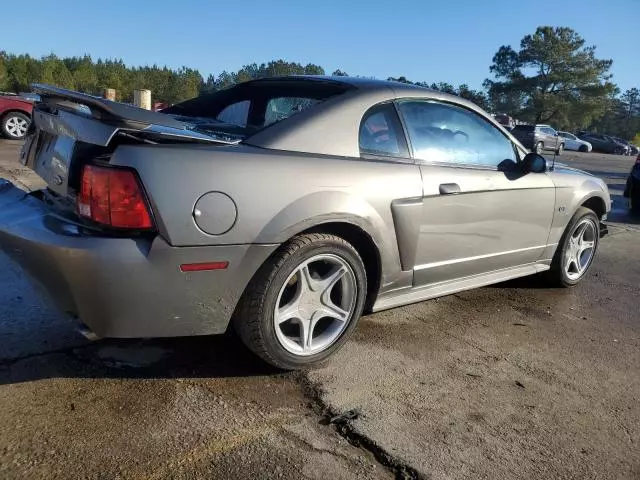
(103, 109)
(125, 118)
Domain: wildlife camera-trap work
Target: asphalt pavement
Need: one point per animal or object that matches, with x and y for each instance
(510, 381)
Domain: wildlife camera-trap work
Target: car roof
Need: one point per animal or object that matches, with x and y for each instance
(369, 84)
(308, 130)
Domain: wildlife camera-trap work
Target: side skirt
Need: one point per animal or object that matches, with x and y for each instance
(397, 298)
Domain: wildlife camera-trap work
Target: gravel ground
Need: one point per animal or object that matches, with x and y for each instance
(510, 381)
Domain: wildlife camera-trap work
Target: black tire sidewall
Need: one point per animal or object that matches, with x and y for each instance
(538, 148)
(281, 356)
(558, 261)
(5, 119)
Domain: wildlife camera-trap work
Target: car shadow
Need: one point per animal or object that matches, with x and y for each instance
(528, 282)
(217, 356)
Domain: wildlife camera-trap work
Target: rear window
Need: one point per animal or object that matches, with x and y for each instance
(248, 107)
(524, 128)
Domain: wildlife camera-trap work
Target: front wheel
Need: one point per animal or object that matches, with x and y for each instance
(302, 305)
(583, 148)
(576, 250)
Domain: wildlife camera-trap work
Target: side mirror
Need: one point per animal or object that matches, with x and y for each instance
(534, 163)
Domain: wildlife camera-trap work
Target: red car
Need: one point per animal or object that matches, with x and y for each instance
(15, 116)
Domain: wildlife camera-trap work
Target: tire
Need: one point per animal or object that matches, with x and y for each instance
(14, 125)
(538, 147)
(281, 280)
(561, 276)
(583, 149)
(560, 149)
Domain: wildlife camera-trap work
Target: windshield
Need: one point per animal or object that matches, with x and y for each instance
(242, 110)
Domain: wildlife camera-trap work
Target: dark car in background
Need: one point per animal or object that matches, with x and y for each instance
(632, 189)
(15, 116)
(538, 138)
(633, 149)
(505, 120)
(604, 143)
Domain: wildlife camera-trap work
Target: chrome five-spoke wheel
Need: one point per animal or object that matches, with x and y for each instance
(304, 302)
(315, 304)
(580, 249)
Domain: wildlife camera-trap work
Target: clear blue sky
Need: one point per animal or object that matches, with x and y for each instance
(451, 41)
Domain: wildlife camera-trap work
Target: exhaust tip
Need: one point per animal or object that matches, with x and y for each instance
(87, 333)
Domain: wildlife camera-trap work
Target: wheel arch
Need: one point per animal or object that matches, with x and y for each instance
(596, 204)
(362, 241)
(14, 110)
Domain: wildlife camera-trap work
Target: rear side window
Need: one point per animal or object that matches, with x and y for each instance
(445, 133)
(248, 107)
(235, 114)
(283, 107)
(381, 133)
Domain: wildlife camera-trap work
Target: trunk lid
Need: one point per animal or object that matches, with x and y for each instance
(69, 129)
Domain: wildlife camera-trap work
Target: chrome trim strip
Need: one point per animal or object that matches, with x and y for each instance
(479, 257)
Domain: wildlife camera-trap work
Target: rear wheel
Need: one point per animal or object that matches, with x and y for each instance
(538, 148)
(14, 125)
(560, 149)
(304, 302)
(576, 250)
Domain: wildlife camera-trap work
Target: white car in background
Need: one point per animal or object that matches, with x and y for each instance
(571, 142)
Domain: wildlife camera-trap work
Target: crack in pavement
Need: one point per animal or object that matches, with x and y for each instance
(401, 470)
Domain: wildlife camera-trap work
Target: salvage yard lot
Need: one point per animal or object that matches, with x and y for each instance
(509, 381)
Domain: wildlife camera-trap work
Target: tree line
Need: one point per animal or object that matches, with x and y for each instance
(553, 77)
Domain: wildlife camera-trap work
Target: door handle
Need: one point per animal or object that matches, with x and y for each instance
(449, 188)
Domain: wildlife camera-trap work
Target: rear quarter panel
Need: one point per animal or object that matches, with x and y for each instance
(277, 194)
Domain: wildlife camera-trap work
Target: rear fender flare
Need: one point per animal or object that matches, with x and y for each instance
(318, 208)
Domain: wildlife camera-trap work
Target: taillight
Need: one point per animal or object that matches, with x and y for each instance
(113, 196)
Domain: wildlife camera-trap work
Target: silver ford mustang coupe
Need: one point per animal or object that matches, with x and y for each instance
(285, 207)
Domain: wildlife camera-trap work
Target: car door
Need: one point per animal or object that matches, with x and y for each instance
(480, 212)
(570, 141)
(551, 138)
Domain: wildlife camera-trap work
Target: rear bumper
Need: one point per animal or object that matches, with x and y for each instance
(123, 287)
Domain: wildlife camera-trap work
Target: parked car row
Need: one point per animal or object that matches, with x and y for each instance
(542, 137)
(608, 144)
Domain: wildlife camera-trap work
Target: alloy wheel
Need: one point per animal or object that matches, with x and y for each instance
(16, 126)
(315, 304)
(581, 249)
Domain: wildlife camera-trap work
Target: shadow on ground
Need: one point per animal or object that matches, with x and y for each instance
(218, 356)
